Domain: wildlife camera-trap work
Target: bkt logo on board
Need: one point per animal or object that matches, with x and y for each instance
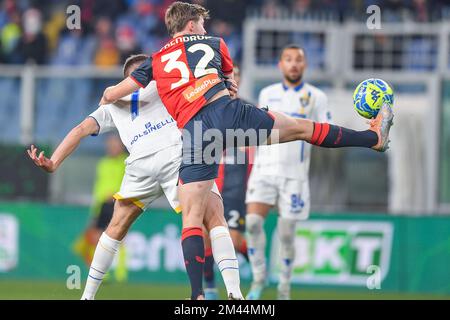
(338, 252)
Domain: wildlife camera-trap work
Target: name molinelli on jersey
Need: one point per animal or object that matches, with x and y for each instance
(182, 39)
(149, 128)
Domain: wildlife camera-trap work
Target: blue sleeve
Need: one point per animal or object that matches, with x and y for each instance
(143, 74)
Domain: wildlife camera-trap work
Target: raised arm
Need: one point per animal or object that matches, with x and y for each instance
(88, 127)
(124, 88)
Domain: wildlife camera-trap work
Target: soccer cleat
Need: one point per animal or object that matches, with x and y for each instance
(284, 291)
(211, 294)
(256, 290)
(231, 297)
(381, 126)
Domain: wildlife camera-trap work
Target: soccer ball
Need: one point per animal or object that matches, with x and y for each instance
(369, 96)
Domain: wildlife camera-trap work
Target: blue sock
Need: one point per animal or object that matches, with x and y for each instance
(331, 136)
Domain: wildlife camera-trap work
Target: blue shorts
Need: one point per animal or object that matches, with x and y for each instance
(221, 124)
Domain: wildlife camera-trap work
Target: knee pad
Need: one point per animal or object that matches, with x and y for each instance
(253, 223)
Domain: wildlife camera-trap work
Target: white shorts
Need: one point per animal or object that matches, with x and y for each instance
(291, 195)
(146, 179)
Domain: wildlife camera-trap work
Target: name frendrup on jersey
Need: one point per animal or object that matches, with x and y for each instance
(182, 39)
(152, 127)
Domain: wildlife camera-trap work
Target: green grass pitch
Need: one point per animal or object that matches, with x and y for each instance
(30, 290)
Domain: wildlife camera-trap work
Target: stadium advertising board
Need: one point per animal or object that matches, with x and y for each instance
(338, 252)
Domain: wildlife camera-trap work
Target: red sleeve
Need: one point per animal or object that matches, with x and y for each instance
(227, 62)
(144, 73)
(136, 81)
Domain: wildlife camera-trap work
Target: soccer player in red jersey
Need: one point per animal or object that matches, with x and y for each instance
(234, 171)
(191, 73)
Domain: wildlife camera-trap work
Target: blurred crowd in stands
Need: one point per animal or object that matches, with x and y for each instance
(36, 31)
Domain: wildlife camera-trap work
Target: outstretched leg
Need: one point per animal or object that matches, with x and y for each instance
(332, 136)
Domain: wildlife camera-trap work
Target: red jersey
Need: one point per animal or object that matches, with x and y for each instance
(188, 70)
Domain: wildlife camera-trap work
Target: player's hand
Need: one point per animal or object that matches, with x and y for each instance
(41, 161)
(232, 87)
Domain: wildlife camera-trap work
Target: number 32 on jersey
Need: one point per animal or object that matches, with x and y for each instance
(200, 70)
